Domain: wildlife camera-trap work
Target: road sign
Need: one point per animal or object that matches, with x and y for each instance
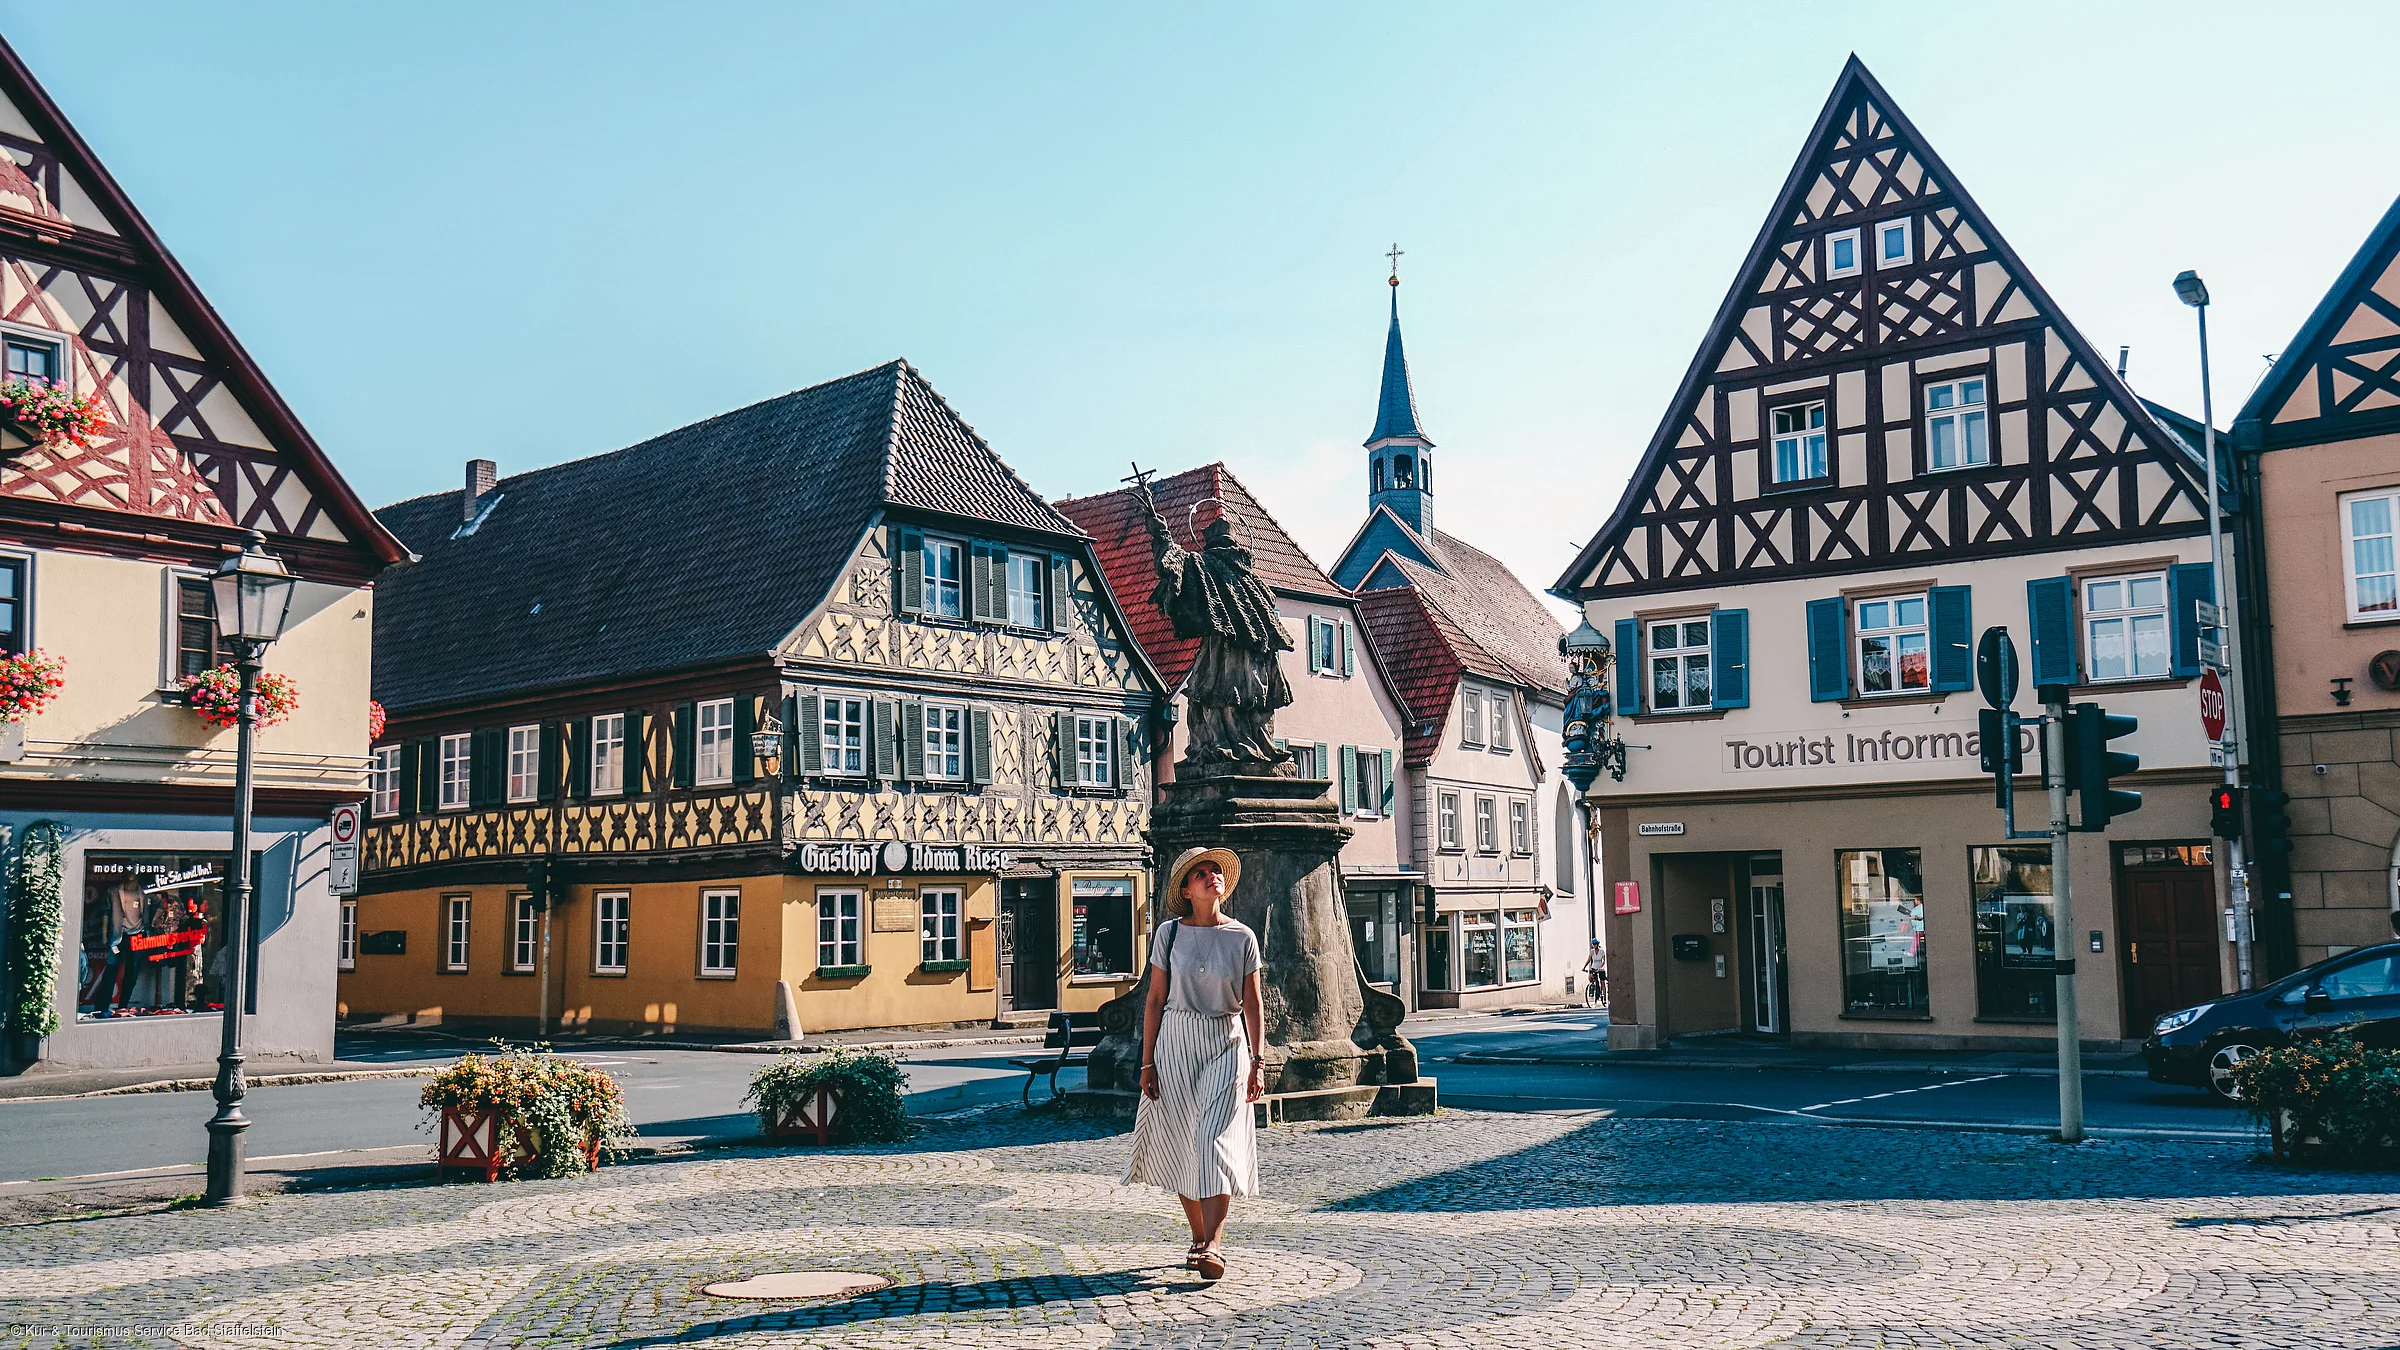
(2212, 654)
(342, 869)
(2207, 614)
(345, 824)
(1627, 896)
(2212, 705)
(1996, 667)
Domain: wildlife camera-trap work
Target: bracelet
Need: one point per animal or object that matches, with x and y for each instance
(1151, 1065)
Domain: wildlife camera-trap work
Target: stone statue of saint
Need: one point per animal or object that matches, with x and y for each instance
(1236, 684)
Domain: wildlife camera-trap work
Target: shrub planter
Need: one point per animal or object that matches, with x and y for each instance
(842, 1097)
(811, 1116)
(2327, 1097)
(526, 1112)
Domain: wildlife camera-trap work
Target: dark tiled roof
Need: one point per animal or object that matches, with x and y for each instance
(1491, 606)
(707, 544)
(1420, 650)
(1114, 520)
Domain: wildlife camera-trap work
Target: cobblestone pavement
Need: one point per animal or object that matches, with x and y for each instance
(1455, 1231)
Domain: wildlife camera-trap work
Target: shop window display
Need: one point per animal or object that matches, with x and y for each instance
(2015, 942)
(1883, 931)
(1480, 947)
(1104, 927)
(1517, 935)
(153, 941)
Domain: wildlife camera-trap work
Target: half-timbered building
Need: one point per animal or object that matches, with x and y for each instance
(809, 716)
(116, 791)
(1504, 914)
(1345, 725)
(1890, 438)
(2318, 445)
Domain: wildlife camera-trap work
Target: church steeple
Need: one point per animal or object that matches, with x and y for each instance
(1399, 471)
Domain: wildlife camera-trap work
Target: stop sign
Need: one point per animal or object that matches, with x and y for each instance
(2212, 705)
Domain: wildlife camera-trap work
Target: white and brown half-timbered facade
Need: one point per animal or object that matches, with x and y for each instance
(809, 716)
(1890, 439)
(105, 549)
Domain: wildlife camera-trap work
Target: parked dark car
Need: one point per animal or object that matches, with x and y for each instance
(2198, 1046)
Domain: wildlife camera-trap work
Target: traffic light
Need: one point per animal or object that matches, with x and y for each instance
(537, 884)
(2270, 827)
(2090, 764)
(2225, 812)
(1996, 742)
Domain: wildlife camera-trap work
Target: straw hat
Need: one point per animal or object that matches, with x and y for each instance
(1225, 859)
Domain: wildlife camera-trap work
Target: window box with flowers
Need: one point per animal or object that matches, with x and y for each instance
(215, 696)
(525, 1111)
(28, 682)
(47, 415)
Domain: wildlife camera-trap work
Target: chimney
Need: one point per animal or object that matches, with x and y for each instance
(482, 476)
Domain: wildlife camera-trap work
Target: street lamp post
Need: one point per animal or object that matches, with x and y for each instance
(2194, 292)
(253, 594)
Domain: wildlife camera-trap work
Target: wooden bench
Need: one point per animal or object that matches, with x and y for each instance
(1070, 1039)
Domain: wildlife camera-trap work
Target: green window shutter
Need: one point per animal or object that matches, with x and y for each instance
(791, 735)
(745, 721)
(579, 757)
(1950, 629)
(1349, 780)
(1061, 573)
(1349, 651)
(412, 754)
(546, 764)
(912, 739)
(1062, 750)
(987, 601)
(2187, 584)
(635, 752)
(2050, 603)
(1122, 761)
(884, 732)
(487, 766)
(1828, 650)
(1389, 786)
(1729, 658)
(1629, 667)
(683, 740)
(1324, 766)
(979, 745)
(1312, 644)
(909, 582)
(808, 735)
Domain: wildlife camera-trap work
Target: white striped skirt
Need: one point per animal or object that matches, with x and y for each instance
(1197, 1139)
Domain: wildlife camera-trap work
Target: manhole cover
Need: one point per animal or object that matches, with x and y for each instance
(793, 1284)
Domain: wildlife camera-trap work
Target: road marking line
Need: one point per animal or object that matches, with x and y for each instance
(1902, 1092)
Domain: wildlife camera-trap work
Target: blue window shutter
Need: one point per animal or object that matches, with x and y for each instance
(1729, 658)
(2187, 583)
(1828, 650)
(2050, 602)
(1629, 666)
(1951, 612)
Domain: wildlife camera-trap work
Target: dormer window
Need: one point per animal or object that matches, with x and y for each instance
(1892, 244)
(1841, 254)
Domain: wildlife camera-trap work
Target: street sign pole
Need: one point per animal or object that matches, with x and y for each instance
(2062, 918)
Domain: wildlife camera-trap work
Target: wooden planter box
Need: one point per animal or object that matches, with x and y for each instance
(812, 1119)
(487, 1141)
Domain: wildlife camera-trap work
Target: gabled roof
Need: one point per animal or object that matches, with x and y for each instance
(1383, 532)
(1396, 405)
(1122, 540)
(1477, 594)
(2340, 375)
(1420, 648)
(101, 224)
(706, 545)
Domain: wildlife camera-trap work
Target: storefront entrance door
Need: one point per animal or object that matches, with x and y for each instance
(2170, 941)
(1028, 945)
(1766, 954)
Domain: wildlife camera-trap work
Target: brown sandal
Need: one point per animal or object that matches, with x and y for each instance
(1210, 1263)
(1191, 1258)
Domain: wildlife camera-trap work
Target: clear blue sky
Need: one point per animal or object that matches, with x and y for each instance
(1115, 232)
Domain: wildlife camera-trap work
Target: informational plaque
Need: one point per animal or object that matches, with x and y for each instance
(895, 913)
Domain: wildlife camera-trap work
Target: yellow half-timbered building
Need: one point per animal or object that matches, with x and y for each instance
(809, 717)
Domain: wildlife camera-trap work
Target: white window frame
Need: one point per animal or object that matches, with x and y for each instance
(1685, 658)
(524, 934)
(1447, 809)
(1502, 738)
(1896, 632)
(1858, 253)
(1470, 721)
(720, 932)
(1095, 751)
(1370, 803)
(458, 931)
(1962, 419)
(345, 945)
(2352, 574)
(456, 764)
(838, 934)
(1304, 759)
(712, 743)
(383, 782)
(1487, 825)
(938, 909)
(1028, 595)
(1810, 448)
(1509, 925)
(946, 742)
(1905, 227)
(842, 734)
(944, 597)
(2131, 616)
(524, 762)
(1520, 827)
(608, 755)
(1478, 920)
(61, 351)
(612, 931)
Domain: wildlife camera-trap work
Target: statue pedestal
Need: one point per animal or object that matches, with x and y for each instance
(1333, 1043)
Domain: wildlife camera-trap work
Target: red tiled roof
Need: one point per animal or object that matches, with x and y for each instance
(1420, 646)
(1122, 540)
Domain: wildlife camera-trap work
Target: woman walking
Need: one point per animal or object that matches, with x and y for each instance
(1202, 1031)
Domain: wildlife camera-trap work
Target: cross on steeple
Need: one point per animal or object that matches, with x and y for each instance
(1395, 255)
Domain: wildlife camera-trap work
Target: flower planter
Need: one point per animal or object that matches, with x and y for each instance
(812, 1117)
(490, 1140)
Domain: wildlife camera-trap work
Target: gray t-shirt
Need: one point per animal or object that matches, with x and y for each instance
(1209, 966)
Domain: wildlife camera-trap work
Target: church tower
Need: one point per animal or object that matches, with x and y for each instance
(1399, 462)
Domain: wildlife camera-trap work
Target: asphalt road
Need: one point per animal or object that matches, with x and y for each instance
(694, 1096)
